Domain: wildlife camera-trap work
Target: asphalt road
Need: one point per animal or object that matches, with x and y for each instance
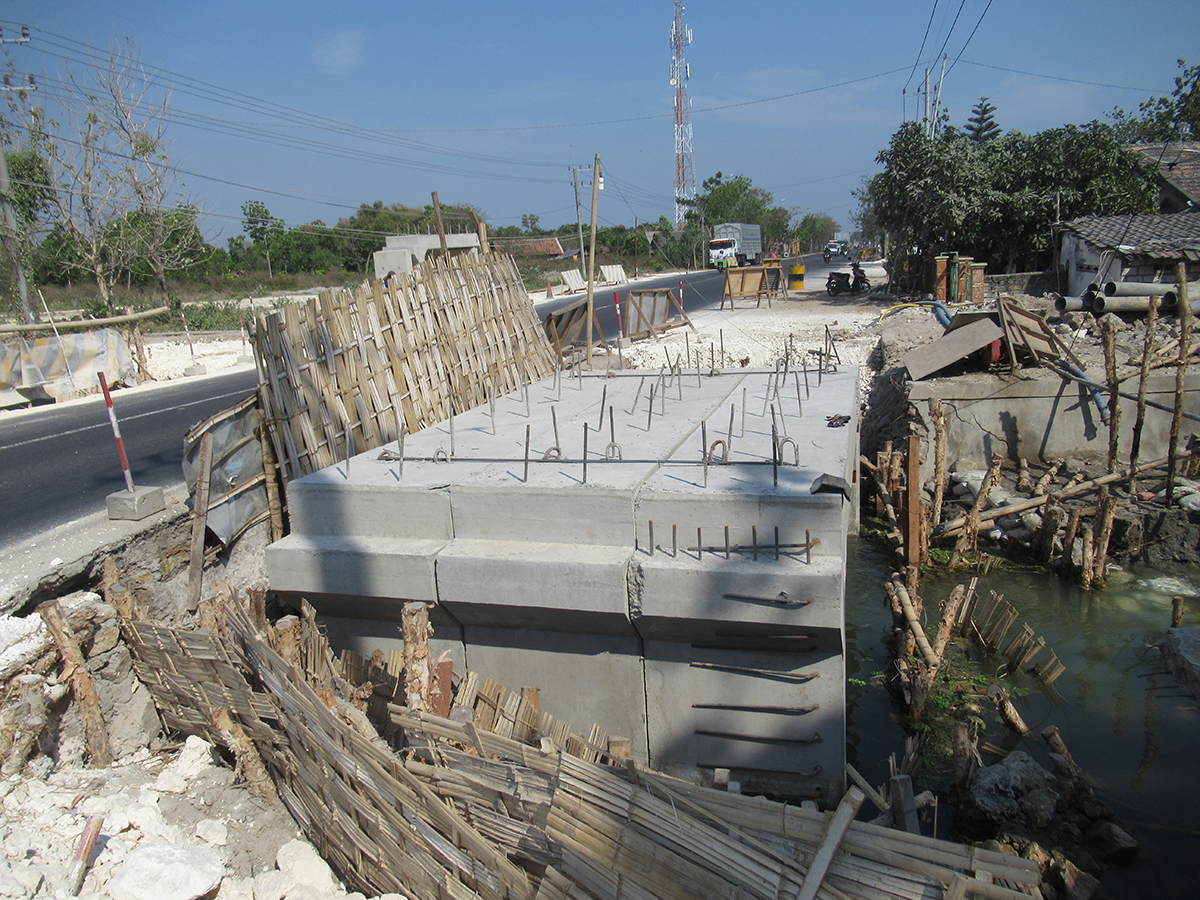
(700, 289)
(59, 463)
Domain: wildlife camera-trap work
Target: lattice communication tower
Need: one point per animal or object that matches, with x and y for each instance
(685, 173)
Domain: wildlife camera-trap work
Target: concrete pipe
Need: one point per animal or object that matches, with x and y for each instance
(1168, 301)
(1068, 304)
(1090, 297)
(1102, 304)
(1137, 288)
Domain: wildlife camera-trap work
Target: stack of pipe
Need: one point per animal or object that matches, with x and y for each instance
(1123, 297)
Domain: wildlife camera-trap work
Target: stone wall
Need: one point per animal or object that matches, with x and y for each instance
(1033, 283)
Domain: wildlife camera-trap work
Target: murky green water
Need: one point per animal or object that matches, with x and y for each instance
(1126, 720)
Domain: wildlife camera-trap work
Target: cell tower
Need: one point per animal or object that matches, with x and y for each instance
(685, 173)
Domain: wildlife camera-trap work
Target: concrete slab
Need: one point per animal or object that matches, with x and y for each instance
(391, 569)
(556, 587)
(683, 595)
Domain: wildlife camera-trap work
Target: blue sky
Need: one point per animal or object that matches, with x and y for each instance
(491, 103)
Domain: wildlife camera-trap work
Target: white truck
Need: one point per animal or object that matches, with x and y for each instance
(735, 243)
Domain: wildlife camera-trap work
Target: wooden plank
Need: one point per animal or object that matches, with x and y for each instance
(912, 531)
(904, 806)
(839, 824)
(922, 362)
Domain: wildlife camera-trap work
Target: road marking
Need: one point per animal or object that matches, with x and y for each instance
(106, 426)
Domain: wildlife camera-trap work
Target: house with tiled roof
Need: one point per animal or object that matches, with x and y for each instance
(1178, 165)
(1098, 249)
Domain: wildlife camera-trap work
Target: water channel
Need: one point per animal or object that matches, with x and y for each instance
(1127, 721)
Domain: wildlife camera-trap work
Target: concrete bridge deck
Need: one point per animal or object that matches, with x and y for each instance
(542, 570)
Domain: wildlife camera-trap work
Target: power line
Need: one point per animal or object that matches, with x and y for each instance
(917, 61)
(971, 35)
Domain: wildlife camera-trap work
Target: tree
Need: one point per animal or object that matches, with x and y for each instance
(1174, 118)
(260, 226)
(738, 200)
(163, 231)
(114, 200)
(997, 201)
(982, 126)
(529, 223)
(816, 229)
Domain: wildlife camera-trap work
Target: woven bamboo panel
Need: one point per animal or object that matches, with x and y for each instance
(468, 813)
(340, 371)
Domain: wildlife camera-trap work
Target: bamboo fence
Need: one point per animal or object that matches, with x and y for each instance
(499, 802)
(342, 373)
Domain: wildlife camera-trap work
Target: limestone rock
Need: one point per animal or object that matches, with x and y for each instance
(272, 885)
(158, 871)
(301, 862)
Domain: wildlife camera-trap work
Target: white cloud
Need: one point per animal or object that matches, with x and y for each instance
(339, 53)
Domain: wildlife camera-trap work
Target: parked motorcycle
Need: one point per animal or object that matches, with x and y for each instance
(840, 282)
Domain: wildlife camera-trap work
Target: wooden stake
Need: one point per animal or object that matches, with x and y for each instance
(1108, 336)
(249, 763)
(199, 522)
(1085, 570)
(938, 418)
(966, 540)
(1008, 712)
(1073, 519)
(912, 502)
(418, 677)
(1177, 612)
(94, 730)
(1106, 514)
(838, 826)
(1043, 545)
(1136, 441)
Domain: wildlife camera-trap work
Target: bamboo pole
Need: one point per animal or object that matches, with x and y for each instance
(86, 324)
(1185, 337)
(94, 730)
(1140, 419)
(918, 632)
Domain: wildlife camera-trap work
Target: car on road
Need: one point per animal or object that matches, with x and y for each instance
(833, 248)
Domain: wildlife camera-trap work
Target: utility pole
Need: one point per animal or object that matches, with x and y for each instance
(925, 121)
(579, 219)
(592, 257)
(937, 100)
(11, 243)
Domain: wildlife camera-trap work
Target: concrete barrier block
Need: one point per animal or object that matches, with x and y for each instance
(136, 504)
